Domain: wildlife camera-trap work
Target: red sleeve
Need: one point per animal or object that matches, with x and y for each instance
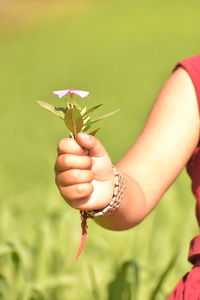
(192, 66)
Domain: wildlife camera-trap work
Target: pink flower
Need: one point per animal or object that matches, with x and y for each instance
(63, 93)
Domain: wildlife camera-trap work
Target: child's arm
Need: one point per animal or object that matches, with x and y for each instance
(163, 148)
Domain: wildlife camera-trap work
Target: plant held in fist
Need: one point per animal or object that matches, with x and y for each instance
(76, 118)
(97, 181)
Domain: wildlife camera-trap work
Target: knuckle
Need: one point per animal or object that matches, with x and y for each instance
(64, 178)
(79, 188)
(75, 173)
(84, 189)
(77, 196)
(71, 196)
(82, 175)
(62, 162)
(66, 160)
(62, 145)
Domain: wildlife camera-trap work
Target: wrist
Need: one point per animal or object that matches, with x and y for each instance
(116, 199)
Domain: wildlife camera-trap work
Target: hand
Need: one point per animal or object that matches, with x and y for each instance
(84, 174)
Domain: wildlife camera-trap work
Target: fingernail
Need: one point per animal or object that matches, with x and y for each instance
(86, 136)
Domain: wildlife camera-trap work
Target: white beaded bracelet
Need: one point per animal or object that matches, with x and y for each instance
(116, 199)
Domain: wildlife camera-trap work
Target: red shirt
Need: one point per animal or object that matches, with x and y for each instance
(188, 287)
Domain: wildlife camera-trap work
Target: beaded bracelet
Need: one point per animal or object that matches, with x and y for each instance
(116, 199)
(109, 209)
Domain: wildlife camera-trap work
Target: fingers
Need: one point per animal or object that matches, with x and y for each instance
(92, 144)
(80, 146)
(81, 163)
(70, 161)
(70, 146)
(73, 172)
(74, 176)
(75, 194)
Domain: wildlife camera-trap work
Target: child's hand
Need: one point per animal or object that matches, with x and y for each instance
(84, 173)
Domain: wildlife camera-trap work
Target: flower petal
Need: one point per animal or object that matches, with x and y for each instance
(62, 93)
(81, 94)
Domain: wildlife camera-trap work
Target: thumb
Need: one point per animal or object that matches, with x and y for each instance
(92, 144)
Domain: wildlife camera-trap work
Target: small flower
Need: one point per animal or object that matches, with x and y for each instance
(63, 93)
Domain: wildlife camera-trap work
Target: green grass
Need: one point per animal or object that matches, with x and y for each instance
(122, 52)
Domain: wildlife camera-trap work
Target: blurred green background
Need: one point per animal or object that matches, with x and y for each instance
(122, 52)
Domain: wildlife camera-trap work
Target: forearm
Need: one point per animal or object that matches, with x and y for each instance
(166, 143)
(132, 210)
(163, 148)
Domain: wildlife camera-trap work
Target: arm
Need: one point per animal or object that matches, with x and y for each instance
(163, 148)
(161, 151)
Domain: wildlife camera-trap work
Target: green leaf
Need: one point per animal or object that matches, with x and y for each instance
(52, 108)
(85, 128)
(73, 120)
(83, 110)
(94, 131)
(86, 120)
(90, 110)
(63, 109)
(76, 104)
(103, 117)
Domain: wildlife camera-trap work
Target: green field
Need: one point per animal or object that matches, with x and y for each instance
(121, 52)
